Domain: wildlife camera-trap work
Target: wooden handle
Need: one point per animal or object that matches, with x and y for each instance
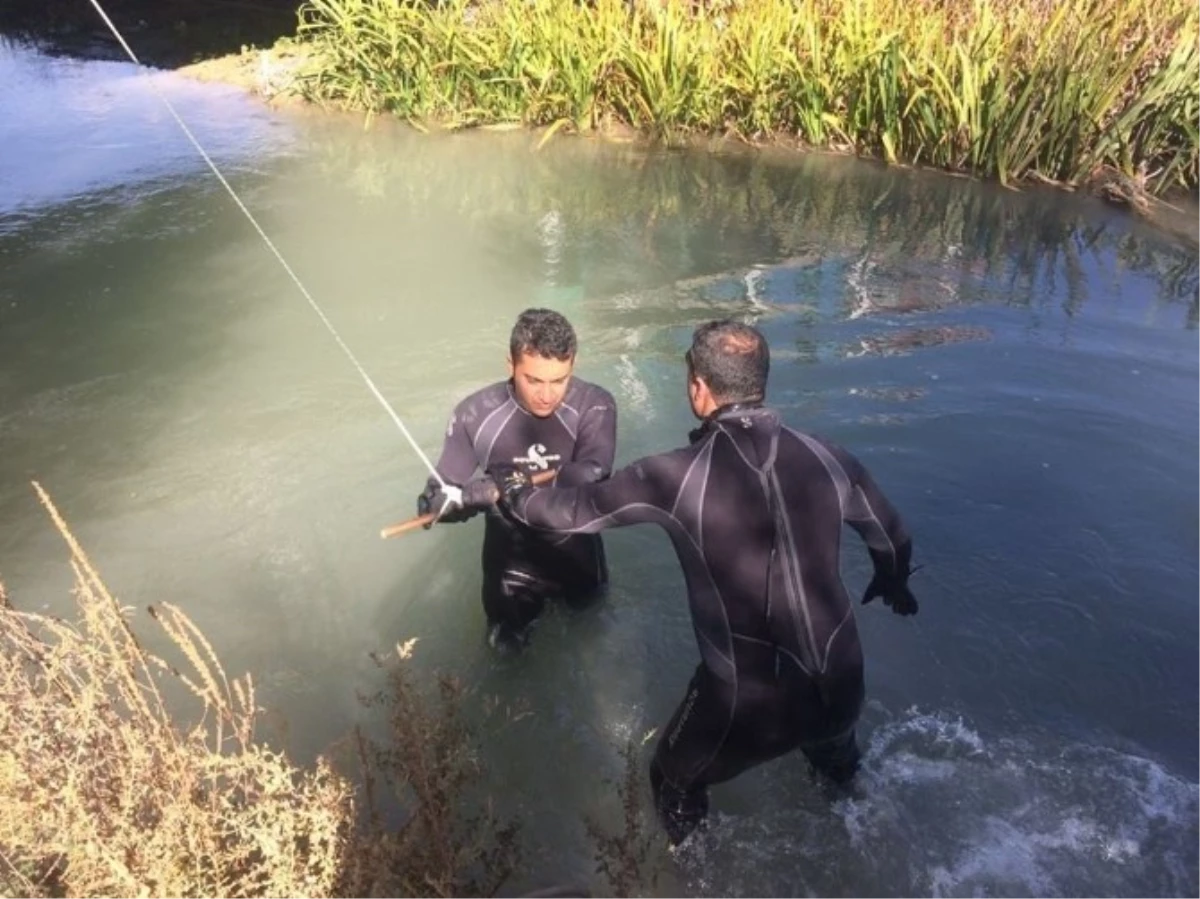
(419, 521)
(404, 527)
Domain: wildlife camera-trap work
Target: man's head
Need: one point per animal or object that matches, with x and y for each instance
(541, 355)
(727, 363)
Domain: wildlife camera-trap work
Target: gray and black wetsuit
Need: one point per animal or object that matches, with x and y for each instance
(755, 511)
(522, 567)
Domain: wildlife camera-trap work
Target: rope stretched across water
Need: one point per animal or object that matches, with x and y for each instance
(447, 491)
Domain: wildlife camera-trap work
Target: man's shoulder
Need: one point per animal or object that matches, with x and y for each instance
(672, 462)
(810, 437)
(823, 446)
(476, 406)
(585, 395)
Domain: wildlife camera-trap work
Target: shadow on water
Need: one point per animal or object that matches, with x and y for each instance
(647, 218)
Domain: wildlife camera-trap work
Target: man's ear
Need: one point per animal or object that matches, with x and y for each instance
(512, 369)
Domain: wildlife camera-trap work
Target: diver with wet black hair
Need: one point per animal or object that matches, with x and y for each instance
(547, 422)
(755, 511)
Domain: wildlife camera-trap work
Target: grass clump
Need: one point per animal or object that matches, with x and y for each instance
(103, 794)
(1067, 91)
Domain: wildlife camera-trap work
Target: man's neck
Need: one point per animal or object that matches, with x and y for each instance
(724, 410)
(732, 409)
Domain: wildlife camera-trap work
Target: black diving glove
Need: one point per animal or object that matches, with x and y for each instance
(891, 580)
(510, 481)
(432, 500)
(478, 494)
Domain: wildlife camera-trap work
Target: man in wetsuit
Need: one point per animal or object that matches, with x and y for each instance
(540, 419)
(755, 511)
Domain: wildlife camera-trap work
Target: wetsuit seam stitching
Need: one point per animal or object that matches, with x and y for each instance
(745, 458)
(563, 422)
(794, 569)
(499, 430)
(879, 524)
(706, 454)
(841, 486)
(524, 519)
(772, 645)
(829, 643)
(686, 477)
(700, 506)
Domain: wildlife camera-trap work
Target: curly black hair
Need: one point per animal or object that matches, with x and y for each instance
(542, 332)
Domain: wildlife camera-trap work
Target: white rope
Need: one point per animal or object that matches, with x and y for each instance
(448, 491)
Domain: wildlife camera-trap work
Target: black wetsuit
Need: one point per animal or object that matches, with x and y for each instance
(755, 512)
(521, 567)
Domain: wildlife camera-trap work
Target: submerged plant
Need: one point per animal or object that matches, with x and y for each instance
(629, 857)
(430, 766)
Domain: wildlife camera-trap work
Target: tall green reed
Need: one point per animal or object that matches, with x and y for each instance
(1003, 90)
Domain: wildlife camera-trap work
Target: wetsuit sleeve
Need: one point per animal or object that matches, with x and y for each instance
(458, 461)
(595, 447)
(868, 511)
(638, 493)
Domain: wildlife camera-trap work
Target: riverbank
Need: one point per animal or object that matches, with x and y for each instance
(1008, 91)
(1098, 95)
(273, 74)
(1087, 95)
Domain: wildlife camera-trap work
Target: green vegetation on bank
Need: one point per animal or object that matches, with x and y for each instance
(1057, 90)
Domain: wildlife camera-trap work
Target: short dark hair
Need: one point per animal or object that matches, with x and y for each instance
(542, 332)
(733, 359)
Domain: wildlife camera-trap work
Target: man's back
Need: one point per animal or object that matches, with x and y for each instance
(755, 511)
(771, 525)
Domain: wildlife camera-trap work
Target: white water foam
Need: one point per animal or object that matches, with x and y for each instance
(939, 809)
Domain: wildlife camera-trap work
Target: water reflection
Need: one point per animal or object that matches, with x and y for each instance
(71, 130)
(894, 239)
(903, 342)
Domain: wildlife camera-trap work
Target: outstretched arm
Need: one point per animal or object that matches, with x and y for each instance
(642, 491)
